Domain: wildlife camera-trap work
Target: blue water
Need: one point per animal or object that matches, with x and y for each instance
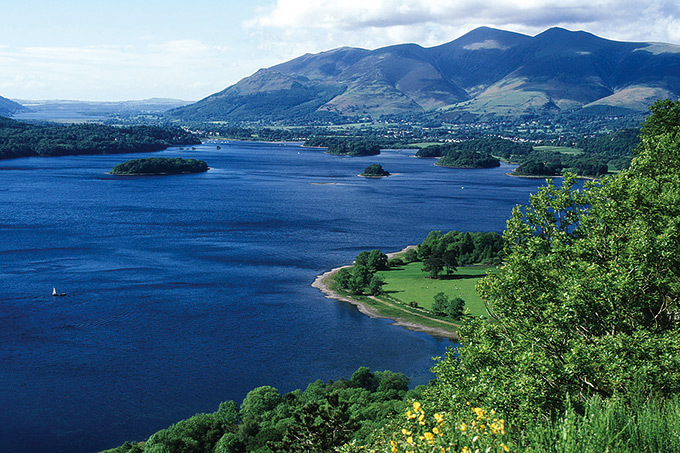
(185, 291)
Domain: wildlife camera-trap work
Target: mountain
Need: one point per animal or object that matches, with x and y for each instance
(93, 110)
(8, 108)
(486, 71)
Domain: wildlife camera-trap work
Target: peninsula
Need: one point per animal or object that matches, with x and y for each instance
(159, 166)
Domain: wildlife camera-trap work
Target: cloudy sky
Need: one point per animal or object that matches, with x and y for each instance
(138, 49)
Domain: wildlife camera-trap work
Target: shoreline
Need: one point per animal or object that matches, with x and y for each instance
(321, 283)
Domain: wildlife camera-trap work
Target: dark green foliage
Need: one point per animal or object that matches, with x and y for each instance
(611, 146)
(587, 300)
(318, 427)
(443, 306)
(468, 159)
(538, 168)
(345, 146)
(375, 285)
(488, 145)
(324, 416)
(160, 166)
(446, 252)
(375, 170)
(476, 153)
(24, 140)
(362, 276)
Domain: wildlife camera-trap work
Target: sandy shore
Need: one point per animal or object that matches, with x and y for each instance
(322, 284)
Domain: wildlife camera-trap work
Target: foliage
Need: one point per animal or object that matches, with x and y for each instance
(23, 140)
(443, 306)
(423, 429)
(440, 252)
(362, 276)
(603, 425)
(468, 159)
(345, 146)
(324, 416)
(375, 170)
(587, 300)
(159, 165)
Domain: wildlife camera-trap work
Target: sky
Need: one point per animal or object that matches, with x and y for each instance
(100, 50)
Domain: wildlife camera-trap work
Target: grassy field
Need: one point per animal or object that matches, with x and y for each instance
(409, 283)
(560, 149)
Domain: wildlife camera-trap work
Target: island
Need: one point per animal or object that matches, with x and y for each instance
(375, 171)
(345, 146)
(159, 166)
(467, 159)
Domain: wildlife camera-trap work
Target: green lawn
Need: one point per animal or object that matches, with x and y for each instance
(409, 283)
(560, 149)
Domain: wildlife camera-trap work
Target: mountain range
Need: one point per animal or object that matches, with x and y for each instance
(485, 72)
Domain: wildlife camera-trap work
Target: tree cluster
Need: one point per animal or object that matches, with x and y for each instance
(587, 301)
(362, 277)
(487, 145)
(316, 420)
(445, 252)
(24, 140)
(443, 306)
(375, 170)
(541, 163)
(345, 146)
(160, 166)
(468, 159)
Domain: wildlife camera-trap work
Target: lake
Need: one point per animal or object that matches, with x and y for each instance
(185, 291)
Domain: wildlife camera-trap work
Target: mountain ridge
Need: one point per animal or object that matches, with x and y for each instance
(487, 71)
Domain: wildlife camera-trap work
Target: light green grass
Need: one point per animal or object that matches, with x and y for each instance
(560, 149)
(409, 283)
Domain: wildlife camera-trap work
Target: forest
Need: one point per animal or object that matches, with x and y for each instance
(19, 139)
(582, 354)
(345, 146)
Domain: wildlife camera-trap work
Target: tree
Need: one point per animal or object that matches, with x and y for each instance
(455, 308)
(375, 286)
(377, 261)
(587, 300)
(318, 428)
(434, 265)
(440, 305)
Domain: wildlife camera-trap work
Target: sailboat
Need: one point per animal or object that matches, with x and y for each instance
(56, 294)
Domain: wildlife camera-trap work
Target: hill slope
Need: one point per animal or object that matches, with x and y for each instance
(8, 107)
(486, 71)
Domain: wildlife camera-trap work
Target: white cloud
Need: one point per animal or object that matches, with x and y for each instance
(293, 24)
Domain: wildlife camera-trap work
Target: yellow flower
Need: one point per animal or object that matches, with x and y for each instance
(416, 406)
(435, 430)
(410, 415)
(410, 440)
(505, 447)
(404, 432)
(439, 417)
(463, 427)
(479, 411)
(429, 436)
(465, 450)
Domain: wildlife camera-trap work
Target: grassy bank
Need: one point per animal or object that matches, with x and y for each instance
(409, 283)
